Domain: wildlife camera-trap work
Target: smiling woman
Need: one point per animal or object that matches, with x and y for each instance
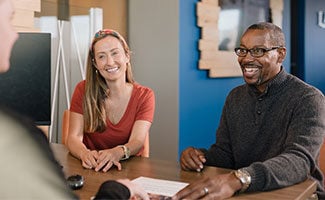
(110, 114)
(222, 23)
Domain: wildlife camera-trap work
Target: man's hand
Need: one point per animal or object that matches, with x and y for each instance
(221, 186)
(192, 159)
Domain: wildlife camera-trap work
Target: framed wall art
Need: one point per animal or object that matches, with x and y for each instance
(222, 23)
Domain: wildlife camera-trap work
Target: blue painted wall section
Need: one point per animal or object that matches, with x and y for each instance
(200, 98)
(314, 43)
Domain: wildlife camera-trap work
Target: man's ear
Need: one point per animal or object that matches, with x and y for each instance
(282, 54)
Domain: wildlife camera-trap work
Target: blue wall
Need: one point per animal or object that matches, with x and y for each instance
(201, 98)
(314, 43)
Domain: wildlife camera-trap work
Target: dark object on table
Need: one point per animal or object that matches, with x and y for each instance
(75, 182)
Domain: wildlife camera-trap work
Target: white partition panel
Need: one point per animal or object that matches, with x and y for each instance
(70, 44)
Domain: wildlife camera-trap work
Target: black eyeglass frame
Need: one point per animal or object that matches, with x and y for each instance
(251, 51)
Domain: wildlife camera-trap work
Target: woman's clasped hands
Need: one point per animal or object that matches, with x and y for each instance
(102, 160)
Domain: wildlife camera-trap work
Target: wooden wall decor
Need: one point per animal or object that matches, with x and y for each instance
(114, 11)
(23, 20)
(222, 63)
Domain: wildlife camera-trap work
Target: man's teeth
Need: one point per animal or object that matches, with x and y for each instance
(251, 70)
(112, 69)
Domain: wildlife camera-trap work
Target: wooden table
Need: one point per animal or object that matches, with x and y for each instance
(148, 167)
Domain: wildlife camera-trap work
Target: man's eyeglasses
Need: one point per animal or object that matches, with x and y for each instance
(255, 52)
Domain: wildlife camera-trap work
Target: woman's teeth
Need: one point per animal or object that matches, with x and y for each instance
(110, 70)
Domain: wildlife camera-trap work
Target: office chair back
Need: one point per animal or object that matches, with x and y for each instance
(65, 126)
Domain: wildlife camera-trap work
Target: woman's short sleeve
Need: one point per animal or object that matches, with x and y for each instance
(146, 104)
(77, 98)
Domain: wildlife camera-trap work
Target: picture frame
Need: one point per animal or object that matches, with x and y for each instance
(219, 37)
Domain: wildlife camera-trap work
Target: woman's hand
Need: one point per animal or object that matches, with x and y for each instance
(89, 159)
(109, 157)
(136, 191)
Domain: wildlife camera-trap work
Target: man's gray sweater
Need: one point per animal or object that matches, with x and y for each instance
(275, 135)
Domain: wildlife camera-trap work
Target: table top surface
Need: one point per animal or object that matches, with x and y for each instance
(161, 169)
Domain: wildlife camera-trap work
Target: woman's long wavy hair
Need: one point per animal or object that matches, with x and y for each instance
(96, 89)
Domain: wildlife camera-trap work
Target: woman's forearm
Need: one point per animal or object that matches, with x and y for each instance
(76, 147)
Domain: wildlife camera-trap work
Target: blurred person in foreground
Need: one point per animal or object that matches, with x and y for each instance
(271, 128)
(29, 169)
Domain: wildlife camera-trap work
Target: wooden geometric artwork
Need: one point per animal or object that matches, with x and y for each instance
(23, 20)
(222, 63)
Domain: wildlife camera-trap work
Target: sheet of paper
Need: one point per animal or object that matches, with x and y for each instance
(159, 186)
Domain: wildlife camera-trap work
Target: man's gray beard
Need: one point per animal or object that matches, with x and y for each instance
(259, 81)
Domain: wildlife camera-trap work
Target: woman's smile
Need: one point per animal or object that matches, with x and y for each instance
(112, 69)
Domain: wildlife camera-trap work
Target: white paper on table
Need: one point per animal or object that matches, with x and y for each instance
(159, 186)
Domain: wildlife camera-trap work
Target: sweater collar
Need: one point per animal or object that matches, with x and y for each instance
(273, 85)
